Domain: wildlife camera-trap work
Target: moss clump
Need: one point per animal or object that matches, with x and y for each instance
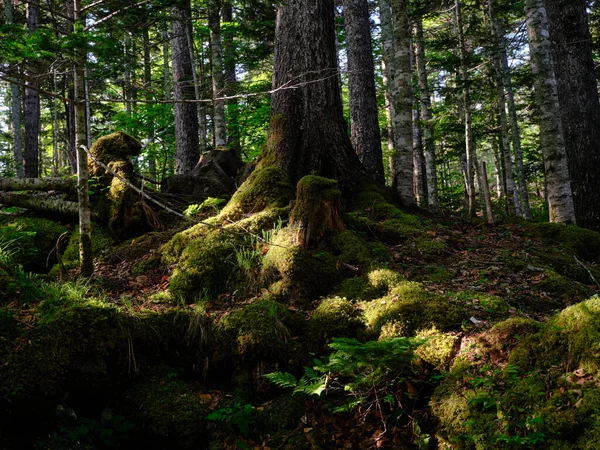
(101, 241)
(264, 188)
(384, 279)
(168, 407)
(205, 266)
(486, 305)
(113, 147)
(334, 317)
(437, 348)
(411, 307)
(305, 273)
(353, 250)
(558, 286)
(31, 240)
(582, 242)
(261, 331)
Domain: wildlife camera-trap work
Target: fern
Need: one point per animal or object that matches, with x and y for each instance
(282, 379)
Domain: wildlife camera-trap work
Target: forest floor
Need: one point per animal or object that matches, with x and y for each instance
(534, 273)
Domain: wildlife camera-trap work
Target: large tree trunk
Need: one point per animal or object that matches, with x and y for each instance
(402, 165)
(579, 105)
(425, 98)
(186, 117)
(387, 63)
(307, 131)
(364, 120)
(558, 185)
(32, 103)
(218, 81)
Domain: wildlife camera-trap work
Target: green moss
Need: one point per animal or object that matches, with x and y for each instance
(115, 146)
(172, 250)
(582, 242)
(353, 250)
(356, 288)
(305, 273)
(559, 286)
(101, 241)
(334, 317)
(486, 305)
(438, 348)
(384, 280)
(168, 407)
(261, 331)
(411, 307)
(205, 266)
(266, 187)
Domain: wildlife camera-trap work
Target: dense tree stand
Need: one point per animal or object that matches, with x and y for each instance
(307, 131)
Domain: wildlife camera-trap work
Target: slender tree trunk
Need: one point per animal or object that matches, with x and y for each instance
(85, 221)
(471, 156)
(218, 80)
(307, 131)
(364, 120)
(229, 52)
(579, 105)
(485, 190)
(70, 105)
(560, 200)
(402, 173)
(425, 100)
(186, 116)
(419, 178)
(197, 90)
(387, 62)
(32, 103)
(15, 108)
(148, 97)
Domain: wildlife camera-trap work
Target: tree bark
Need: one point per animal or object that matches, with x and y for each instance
(85, 221)
(579, 105)
(229, 59)
(560, 200)
(44, 204)
(364, 120)
(15, 108)
(307, 131)
(387, 63)
(402, 170)
(186, 117)
(425, 100)
(32, 103)
(38, 184)
(218, 80)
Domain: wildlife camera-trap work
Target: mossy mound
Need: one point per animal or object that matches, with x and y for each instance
(264, 188)
(263, 331)
(409, 307)
(582, 242)
(334, 317)
(546, 394)
(111, 148)
(101, 241)
(168, 408)
(437, 348)
(31, 241)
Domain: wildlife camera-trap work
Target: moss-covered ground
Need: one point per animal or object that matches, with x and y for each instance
(497, 329)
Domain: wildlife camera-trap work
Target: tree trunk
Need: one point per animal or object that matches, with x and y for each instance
(402, 171)
(364, 120)
(186, 117)
(70, 105)
(85, 221)
(387, 63)
(419, 178)
(37, 184)
(43, 203)
(218, 81)
(560, 200)
(32, 103)
(470, 165)
(15, 108)
(425, 98)
(307, 130)
(579, 105)
(229, 52)
(148, 97)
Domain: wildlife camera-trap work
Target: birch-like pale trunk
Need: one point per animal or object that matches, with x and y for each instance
(229, 59)
(85, 219)
(387, 66)
(197, 91)
(558, 183)
(470, 163)
(402, 161)
(425, 97)
(148, 96)
(218, 80)
(15, 106)
(364, 120)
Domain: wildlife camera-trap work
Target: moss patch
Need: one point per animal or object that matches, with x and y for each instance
(334, 317)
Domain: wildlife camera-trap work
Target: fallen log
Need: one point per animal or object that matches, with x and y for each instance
(40, 203)
(38, 184)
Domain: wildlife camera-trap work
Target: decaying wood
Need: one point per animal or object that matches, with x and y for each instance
(41, 203)
(38, 184)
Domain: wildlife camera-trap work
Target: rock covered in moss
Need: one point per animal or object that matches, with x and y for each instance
(334, 317)
(113, 148)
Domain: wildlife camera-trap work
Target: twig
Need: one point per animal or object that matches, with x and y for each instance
(587, 270)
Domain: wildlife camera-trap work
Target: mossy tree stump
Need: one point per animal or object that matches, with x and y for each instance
(126, 213)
